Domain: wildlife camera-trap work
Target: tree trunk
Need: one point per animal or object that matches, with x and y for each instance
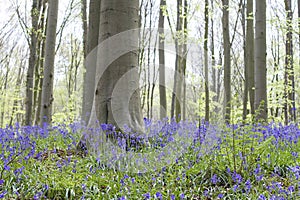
(206, 61)
(84, 27)
(260, 61)
(117, 98)
(227, 67)
(161, 55)
(35, 10)
(250, 54)
(184, 58)
(289, 81)
(177, 89)
(92, 42)
(47, 89)
(246, 75)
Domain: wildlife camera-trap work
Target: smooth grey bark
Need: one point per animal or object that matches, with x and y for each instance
(47, 88)
(227, 64)
(260, 61)
(161, 55)
(177, 89)
(90, 72)
(250, 53)
(206, 61)
(115, 86)
(289, 80)
(213, 58)
(35, 10)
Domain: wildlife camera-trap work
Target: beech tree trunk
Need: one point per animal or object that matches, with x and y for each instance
(206, 62)
(47, 89)
(289, 80)
(161, 54)
(227, 67)
(250, 53)
(90, 67)
(117, 96)
(260, 61)
(35, 10)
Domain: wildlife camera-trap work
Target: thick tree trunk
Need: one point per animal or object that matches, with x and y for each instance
(47, 89)
(260, 61)
(92, 42)
(161, 54)
(227, 67)
(117, 98)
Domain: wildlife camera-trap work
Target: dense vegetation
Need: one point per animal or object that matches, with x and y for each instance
(222, 162)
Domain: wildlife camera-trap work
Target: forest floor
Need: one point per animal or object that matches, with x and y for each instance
(224, 162)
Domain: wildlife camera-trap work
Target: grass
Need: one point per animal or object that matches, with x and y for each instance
(222, 162)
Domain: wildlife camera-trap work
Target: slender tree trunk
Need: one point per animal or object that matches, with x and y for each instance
(246, 71)
(177, 91)
(16, 94)
(227, 67)
(184, 58)
(161, 54)
(84, 27)
(206, 62)
(260, 61)
(47, 89)
(175, 95)
(289, 106)
(213, 58)
(35, 10)
(250, 53)
(92, 42)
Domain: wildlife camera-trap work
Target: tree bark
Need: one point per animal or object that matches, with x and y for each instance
(120, 80)
(90, 72)
(177, 89)
(47, 89)
(260, 61)
(250, 54)
(161, 54)
(35, 10)
(227, 67)
(206, 61)
(289, 80)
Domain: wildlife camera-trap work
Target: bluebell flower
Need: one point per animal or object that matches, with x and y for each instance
(172, 196)
(147, 195)
(261, 197)
(248, 186)
(159, 195)
(220, 196)
(214, 179)
(181, 196)
(2, 195)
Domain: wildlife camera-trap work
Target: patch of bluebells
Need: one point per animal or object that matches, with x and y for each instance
(20, 144)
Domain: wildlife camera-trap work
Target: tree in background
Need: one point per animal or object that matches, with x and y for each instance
(47, 88)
